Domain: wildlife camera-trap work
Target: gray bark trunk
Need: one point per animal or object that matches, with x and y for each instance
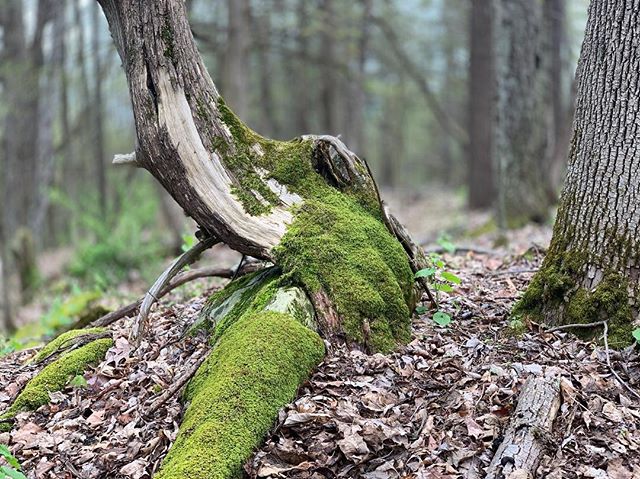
(236, 65)
(520, 142)
(592, 268)
(97, 109)
(481, 92)
(329, 78)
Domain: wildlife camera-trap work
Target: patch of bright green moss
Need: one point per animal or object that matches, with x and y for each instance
(63, 340)
(56, 375)
(254, 370)
(554, 293)
(256, 160)
(335, 245)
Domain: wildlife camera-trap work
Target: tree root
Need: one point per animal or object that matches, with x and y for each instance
(138, 328)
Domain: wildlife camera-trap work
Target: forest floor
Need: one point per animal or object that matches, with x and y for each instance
(433, 409)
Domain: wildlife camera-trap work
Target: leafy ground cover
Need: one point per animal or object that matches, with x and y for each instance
(434, 409)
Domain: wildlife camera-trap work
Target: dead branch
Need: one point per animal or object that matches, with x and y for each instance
(524, 440)
(151, 297)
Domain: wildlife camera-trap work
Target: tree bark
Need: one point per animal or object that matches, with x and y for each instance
(481, 107)
(23, 140)
(592, 268)
(520, 141)
(329, 79)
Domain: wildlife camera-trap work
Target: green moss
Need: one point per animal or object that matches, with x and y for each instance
(608, 301)
(253, 372)
(337, 242)
(255, 160)
(167, 37)
(63, 340)
(554, 295)
(244, 295)
(56, 375)
(335, 245)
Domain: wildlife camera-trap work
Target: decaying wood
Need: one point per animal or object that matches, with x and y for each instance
(151, 297)
(179, 280)
(525, 439)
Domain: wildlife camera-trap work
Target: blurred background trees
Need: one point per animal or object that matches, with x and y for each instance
(467, 101)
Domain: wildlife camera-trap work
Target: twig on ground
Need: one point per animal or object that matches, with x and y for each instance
(513, 271)
(176, 385)
(576, 325)
(605, 325)
(459, 249)
(179, 280)
(613, 371)
(188, 257)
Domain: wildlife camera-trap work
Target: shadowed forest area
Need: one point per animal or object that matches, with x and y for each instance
(377, 238)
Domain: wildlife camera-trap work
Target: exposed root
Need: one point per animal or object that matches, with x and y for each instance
(137, 330)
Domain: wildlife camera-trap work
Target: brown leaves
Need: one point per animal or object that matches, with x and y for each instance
(436, 409)
(99, 431)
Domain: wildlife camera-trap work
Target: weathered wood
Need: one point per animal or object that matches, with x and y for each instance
(151, 297)
(525, 439)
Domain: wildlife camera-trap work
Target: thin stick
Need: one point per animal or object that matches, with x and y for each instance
(576, 325)
(188, 257)
(605, 325)
(615, 374)
(176, 385)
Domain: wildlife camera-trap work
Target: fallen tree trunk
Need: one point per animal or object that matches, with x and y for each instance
(343, 265)
(526, 437)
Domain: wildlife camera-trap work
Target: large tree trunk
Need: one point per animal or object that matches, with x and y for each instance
(308, 205)
(592, 268)
(481, 91)
(520, 141)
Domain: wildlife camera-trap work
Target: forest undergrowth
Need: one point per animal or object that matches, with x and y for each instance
(436, 408)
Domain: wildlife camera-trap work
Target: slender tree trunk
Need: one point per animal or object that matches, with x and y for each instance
(302, 103)
(97, 110)
(592, 268)
(481, 107)
(7, 326)
(236, 65)
(355, 126)
(262, 24)
(555, 23)
(329, 78)
(520, 142)
(23, 140)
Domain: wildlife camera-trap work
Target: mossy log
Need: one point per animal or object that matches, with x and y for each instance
(310, 206)
(75, 351)
(264, 347)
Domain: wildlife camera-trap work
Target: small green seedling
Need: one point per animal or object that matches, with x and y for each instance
(12, 471)
(440, 280)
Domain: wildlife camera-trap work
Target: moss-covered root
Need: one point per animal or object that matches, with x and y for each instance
(66, 341)
(55, 377)
(256, 369)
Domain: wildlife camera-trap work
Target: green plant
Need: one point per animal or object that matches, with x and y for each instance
(11, 471)
(439, 280)
(108, 248)
(8, 346)
(636, 335)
